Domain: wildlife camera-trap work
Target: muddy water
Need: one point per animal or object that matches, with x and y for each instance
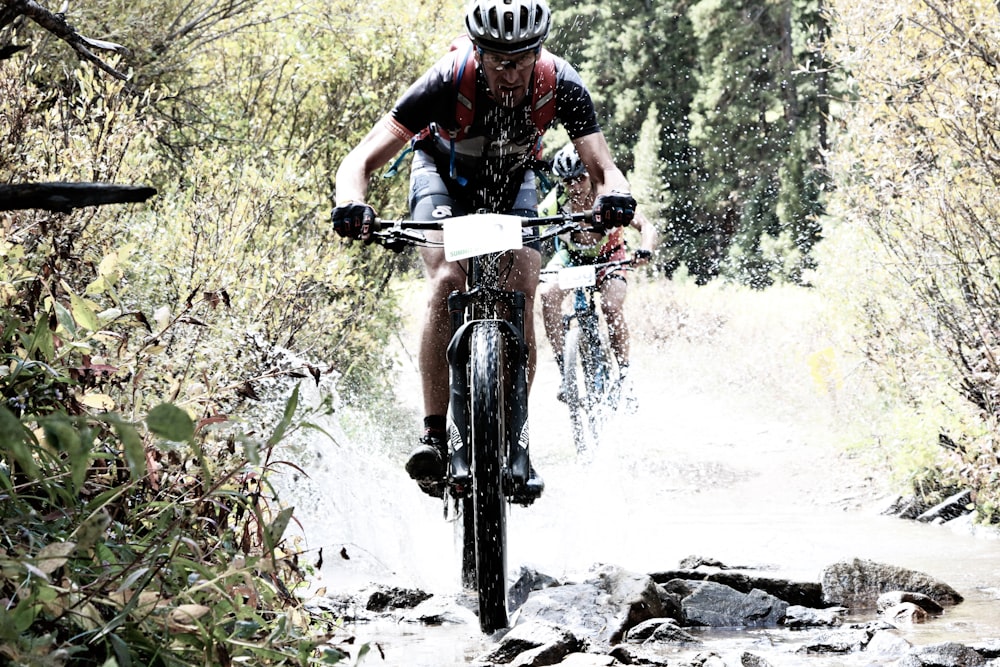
(697, 470)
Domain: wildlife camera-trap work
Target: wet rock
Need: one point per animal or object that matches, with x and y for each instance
(871, 627)
(528, 580)
(797, 616)
(664, 630)
(588, 660)
(905, 613)
(346, 607)
(533, 644)
(948, 654)
(807, 594)
(847, 640)
(603, 608)
(440, 611)
(950, 508)
(708, 659)
(581, 608)
(887, 645)
(671, 604)
(752, 660)
(857, 584)
(694, 562)
(905, 507)
(989, 648)
(895, 598)
(637, 654)
(384, 598)
(636, 595)
(716, 605)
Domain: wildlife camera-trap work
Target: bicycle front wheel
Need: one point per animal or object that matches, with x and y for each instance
(574, 389)
(487, 430)
(587, 372)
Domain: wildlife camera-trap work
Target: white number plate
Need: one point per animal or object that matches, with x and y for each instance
(577, 276)
(481, 233)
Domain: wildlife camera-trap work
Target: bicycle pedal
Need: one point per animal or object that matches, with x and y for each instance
(528, 492)
(432, 487)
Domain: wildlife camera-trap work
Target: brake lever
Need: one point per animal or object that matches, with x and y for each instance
(396, 238)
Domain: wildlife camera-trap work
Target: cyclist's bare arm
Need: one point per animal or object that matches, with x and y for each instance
(650, 236)
(375, 150)
(596, 156)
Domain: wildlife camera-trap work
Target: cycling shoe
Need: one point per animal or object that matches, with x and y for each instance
(426, 464)
(530, 491)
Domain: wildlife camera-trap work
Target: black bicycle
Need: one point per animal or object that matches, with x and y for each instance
(590, 388)
(488, 357)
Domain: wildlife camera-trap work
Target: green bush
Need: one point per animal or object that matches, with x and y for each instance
(144, 347)
(916, 196)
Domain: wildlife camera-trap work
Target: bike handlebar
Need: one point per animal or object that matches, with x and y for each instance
(395, 234)
(628, 261)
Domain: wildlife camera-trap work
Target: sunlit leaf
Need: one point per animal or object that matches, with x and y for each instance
(187, 613)
(135, 451)
(54, 555)
(42, 338)
(277, 527)
(83, 313)
(290, 406)
(170, 422)
(64, 317)
(98, 401)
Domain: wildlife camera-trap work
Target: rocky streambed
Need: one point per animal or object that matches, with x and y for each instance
(702, 614)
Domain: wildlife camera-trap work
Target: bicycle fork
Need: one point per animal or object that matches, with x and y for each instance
(517, 468)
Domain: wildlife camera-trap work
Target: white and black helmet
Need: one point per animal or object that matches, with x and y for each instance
(567, 163)
(508, 26)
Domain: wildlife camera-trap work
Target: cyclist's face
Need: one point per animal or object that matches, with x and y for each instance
(578, 189)
(508, 76)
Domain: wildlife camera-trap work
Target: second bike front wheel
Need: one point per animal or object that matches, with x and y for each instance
(574, 389)
(586, 367)
(487, 428)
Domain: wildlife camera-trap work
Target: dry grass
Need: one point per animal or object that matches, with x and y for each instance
(782, 351)
(780, 354)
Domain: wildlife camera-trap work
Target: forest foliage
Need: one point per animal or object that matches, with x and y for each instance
(150, 350)
(916, 167)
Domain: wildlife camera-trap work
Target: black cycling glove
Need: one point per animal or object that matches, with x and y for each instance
(354, 220)
(615, 209)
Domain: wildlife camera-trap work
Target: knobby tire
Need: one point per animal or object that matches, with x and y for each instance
(489, 507)
(595, 357)
(586, 362)
(574, 389)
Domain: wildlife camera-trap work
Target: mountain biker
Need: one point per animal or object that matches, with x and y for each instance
(484, 165)
(579, 248)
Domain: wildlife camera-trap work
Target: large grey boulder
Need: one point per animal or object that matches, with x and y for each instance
(534, 643)
(948, 654)
(857, 584)
(719, 606)
(602, 608)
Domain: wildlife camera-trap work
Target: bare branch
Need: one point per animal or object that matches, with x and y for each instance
(56, 24)
(64, 197)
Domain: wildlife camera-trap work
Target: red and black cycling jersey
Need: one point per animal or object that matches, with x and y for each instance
(501, 142)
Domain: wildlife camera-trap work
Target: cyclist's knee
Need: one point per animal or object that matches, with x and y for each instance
(551, 295)
(445, 277)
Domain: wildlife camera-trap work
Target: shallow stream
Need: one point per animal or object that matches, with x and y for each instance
(697, 470)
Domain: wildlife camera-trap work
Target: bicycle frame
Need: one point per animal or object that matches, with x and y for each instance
(479, 303)
(588, 389)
